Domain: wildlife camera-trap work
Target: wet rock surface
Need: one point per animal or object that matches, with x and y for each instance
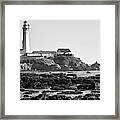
(59, 86)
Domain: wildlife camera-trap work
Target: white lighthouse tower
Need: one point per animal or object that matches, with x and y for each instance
(25, 41)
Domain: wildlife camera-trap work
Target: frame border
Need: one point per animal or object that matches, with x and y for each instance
(60, 2)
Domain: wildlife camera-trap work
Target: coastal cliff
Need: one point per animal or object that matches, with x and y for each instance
(59, 63)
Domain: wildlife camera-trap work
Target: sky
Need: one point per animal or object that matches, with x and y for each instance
(82, 37)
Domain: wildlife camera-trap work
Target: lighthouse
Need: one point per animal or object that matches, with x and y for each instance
(25, 41)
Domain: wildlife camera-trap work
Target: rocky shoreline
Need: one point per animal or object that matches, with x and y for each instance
(59, 86)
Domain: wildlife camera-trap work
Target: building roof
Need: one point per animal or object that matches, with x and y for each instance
(63, 50)
(44, 52)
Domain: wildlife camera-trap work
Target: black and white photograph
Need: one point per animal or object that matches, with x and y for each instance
(60, 55)
(59, 60)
